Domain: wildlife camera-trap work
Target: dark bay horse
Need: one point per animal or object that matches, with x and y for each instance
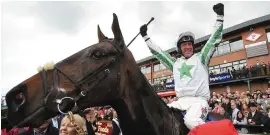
(102, 74)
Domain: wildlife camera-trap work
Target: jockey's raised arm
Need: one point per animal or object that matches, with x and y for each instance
(209, 48)
(162, 56)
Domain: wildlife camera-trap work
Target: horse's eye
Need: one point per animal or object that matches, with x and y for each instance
(97, 54)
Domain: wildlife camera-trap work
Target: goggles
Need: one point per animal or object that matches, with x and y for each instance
(185, 39)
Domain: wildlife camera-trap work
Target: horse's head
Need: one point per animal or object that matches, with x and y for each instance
(94, 76)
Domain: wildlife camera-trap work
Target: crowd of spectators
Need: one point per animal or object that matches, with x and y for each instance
(87, 120)
(250, 112)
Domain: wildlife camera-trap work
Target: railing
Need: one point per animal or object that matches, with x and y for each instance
(252, 129)
(226, 77)
(240, 74)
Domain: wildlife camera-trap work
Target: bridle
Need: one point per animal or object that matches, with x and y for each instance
(99, 74)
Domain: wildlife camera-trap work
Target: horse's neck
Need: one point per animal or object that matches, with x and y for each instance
(142, 111)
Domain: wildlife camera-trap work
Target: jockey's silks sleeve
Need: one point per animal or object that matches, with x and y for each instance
(209, 48)
(162, 56)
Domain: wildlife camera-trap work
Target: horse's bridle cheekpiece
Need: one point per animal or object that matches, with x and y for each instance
(100, 74)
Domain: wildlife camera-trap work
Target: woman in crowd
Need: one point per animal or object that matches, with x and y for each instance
(245, 109)
(76, 128)
(239, 121)
(91, 118)
(217, 106)
(238, 103)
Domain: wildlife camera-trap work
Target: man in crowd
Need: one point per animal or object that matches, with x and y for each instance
(254, 117)
(227, 105)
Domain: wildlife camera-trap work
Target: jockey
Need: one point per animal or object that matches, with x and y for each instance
(190, 71)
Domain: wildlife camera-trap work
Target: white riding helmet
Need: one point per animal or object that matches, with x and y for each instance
(184, 37)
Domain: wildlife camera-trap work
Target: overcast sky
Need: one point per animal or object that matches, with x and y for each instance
(34, 33)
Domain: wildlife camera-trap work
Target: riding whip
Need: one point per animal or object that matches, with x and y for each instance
(140, 32)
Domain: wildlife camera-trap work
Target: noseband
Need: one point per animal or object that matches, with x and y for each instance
(99, 74)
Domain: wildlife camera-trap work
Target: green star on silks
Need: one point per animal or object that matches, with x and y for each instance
(185, 70)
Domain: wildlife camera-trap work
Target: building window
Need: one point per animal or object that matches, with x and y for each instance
(162, 67)
(236, 45)
(156, 67)
(243, 61)
(268, 34)
(216, 52)
(233, 45)
(223, 68)
(148, 70)
(223, 48)
(143, 70)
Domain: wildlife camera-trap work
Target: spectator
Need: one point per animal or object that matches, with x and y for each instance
(258, 68)
(217, 106)
(254, 118)
(266, 121)
(264, 101)
(233, 71)
(258, 92)
(244, 97)
(234, 111)
(56, 122)
(240, 121)
(224, 94)
(253, 70)
(224, 113)
(237, 94)
(227, 106)
(116, 130)
(259, 98)
(251, 101)
(233, 100)
(245, 108)
(213, 102)
(67, 127)
(214, 94)
(268, 91)
(229, 95)
(91, 118)
(264, 69)
(247, 72)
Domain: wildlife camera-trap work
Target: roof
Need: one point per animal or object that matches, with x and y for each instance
(227, 31)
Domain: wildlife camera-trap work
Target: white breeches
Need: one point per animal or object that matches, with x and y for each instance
(196, 110)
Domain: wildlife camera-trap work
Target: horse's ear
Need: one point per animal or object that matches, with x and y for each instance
(101, 36)
(118, 37)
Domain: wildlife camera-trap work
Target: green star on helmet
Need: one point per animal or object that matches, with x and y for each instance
(185, 70)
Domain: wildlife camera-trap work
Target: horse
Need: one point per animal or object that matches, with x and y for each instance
(102, 74)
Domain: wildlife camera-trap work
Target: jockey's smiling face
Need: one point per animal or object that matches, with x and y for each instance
(186, 49)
